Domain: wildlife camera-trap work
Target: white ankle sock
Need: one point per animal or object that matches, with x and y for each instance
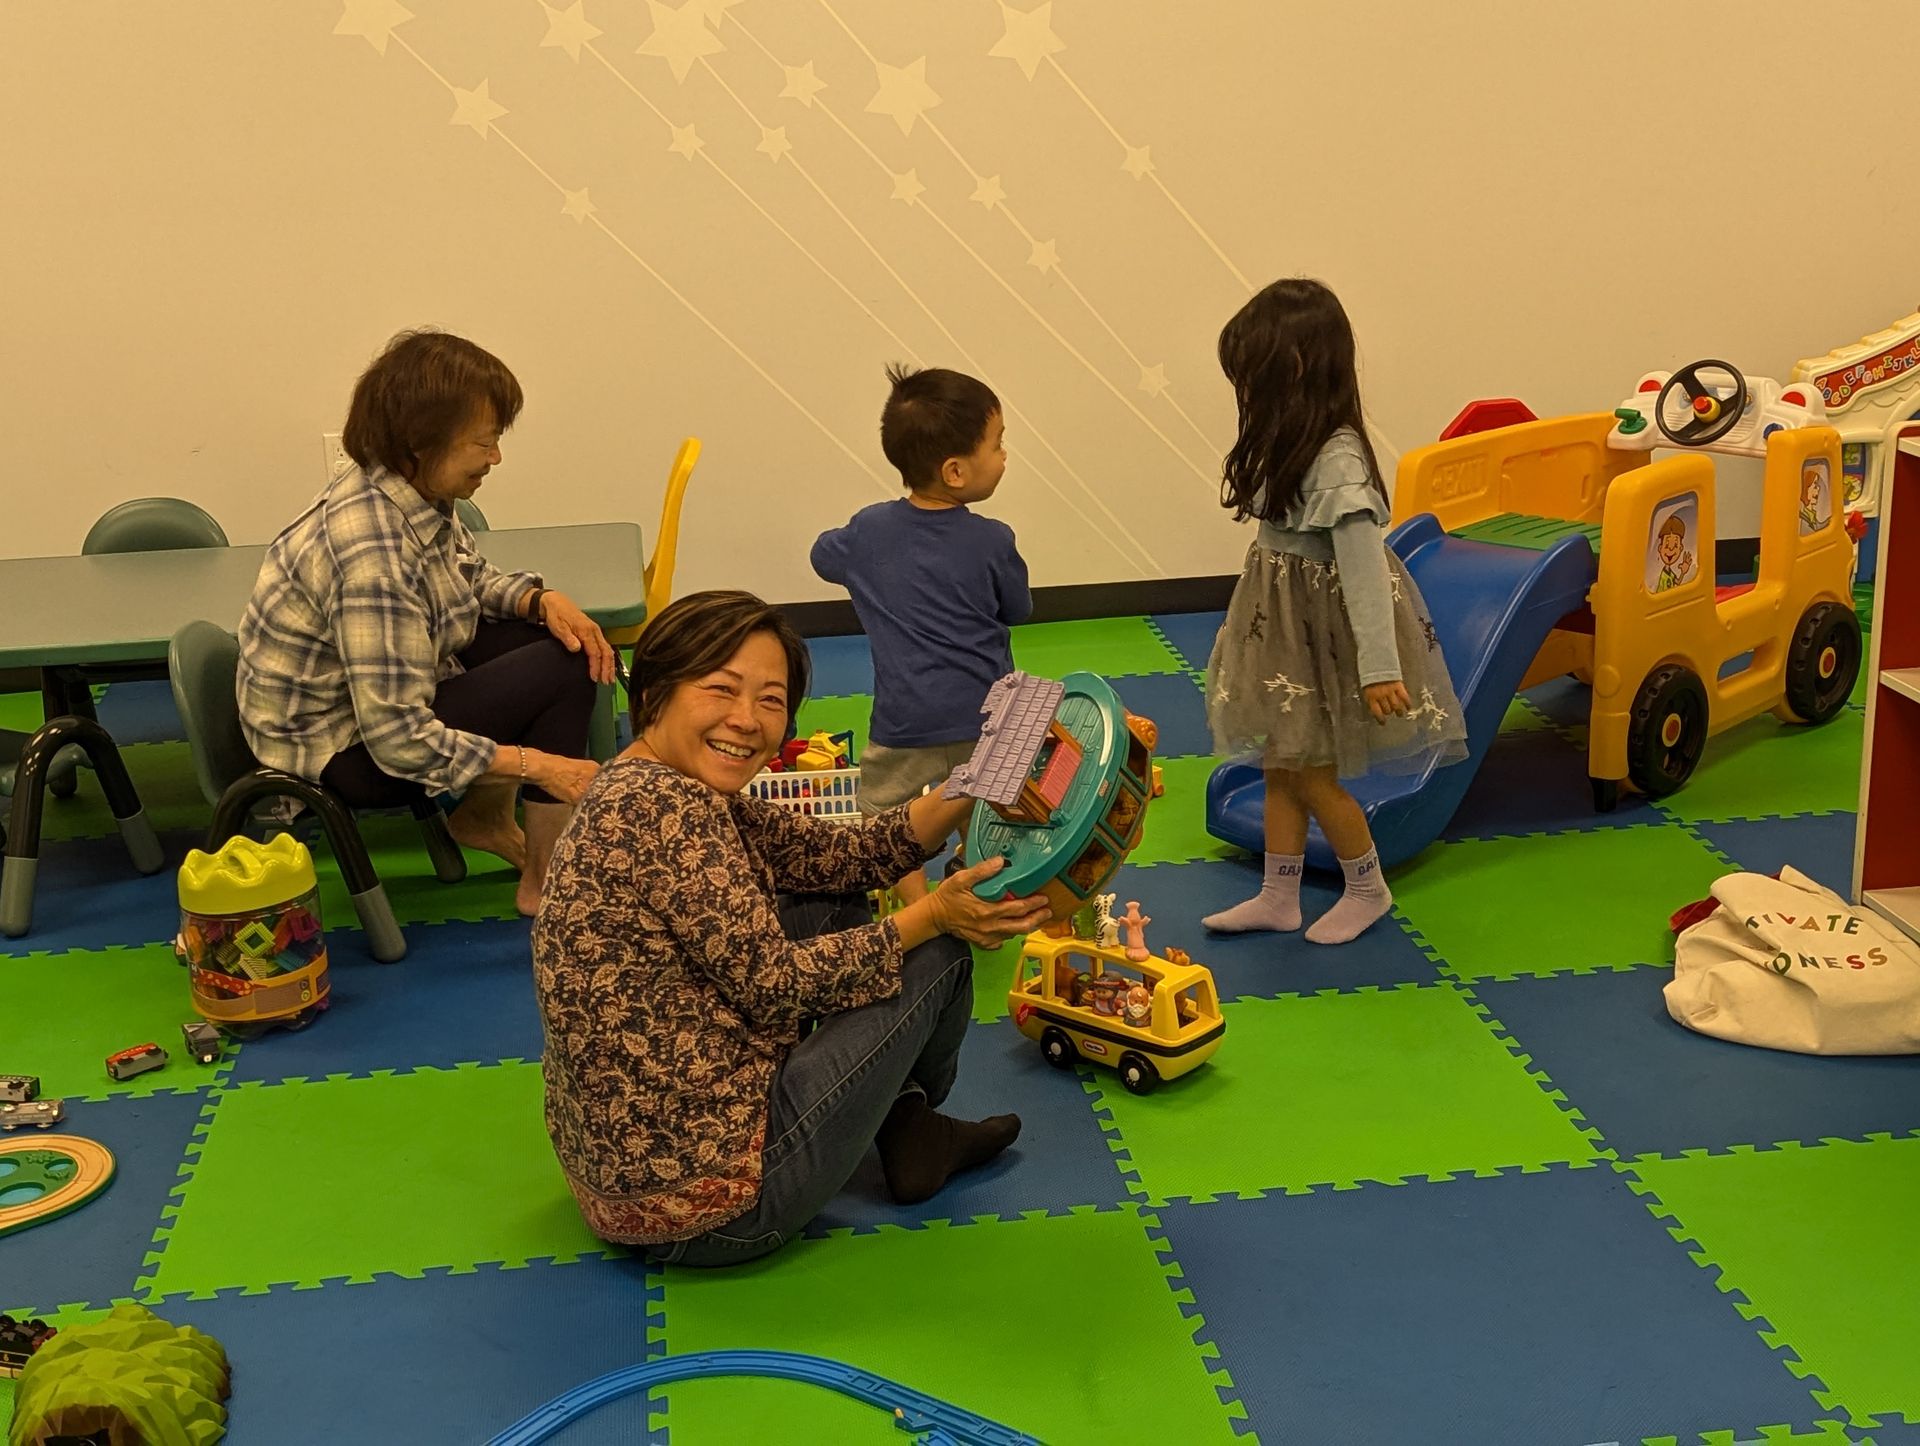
(1366, 900)
(1275, 907)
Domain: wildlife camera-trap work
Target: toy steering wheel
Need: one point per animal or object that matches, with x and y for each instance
(1706, 415)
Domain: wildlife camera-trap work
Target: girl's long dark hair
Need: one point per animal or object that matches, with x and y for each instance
(1289, 354)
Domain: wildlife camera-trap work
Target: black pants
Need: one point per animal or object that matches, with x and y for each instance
(520, 686)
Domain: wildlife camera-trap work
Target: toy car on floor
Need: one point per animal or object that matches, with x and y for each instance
(44, 1113)
(20, 1339)
(18, 1088)
(201, 1039)
(137, 1060)
(1149, 1017)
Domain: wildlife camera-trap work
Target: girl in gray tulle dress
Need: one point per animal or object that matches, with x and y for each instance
(1327, 666)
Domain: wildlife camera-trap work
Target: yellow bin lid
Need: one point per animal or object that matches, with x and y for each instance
(245, 876)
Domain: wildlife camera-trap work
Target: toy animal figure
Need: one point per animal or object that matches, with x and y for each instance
(1106, 932)
(1136, 926)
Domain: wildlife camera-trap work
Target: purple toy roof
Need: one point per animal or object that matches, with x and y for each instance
(1019, 709)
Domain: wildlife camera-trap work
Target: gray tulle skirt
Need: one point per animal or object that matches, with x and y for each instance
(1284, 679)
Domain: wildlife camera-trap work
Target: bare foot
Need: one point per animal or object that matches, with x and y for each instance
(526, 899)
(504, 841)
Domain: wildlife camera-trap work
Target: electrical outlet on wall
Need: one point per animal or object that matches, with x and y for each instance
(337, 458)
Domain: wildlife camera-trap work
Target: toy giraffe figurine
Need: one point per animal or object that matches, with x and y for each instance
(1136, 923)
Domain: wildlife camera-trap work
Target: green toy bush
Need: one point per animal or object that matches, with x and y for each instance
(133, 1376)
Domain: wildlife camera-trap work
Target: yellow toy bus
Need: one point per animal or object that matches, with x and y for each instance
(1671, 657)
(1150, 1018)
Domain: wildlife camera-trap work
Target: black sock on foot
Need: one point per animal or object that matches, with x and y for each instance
(920, 1148)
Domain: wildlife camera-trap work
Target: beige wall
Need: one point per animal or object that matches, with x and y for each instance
(212, 213)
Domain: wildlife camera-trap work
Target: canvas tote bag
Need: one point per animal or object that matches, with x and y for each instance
(1787, 964)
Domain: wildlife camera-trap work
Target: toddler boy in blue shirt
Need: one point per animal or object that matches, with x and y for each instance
(935, 585)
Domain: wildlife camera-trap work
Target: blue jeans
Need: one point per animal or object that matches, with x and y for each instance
(837, 1084)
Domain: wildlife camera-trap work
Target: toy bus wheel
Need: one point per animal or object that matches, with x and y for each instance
(1058, 1048)
(1138, 1074)
(1668, 731)
(1824, 662)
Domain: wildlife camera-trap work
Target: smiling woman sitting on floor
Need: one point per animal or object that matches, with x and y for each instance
(727, 1027)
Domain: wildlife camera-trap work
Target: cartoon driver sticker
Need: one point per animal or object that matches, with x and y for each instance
(1670, 545)
(1814, 509)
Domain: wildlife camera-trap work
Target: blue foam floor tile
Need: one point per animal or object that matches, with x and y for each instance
(1191, 635)
(1177, 709)
(1651, 1086)
(1818, 845)
(1536, 782)
(444, 1358)
(1566, 701)
(87, 895)
(141, 712)
(842, 666)
(1061, 1159)
(1548, 1307)
(463, 994)
(1178, 896)
(93, 1254)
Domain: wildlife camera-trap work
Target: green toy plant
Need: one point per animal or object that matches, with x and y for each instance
(130, 1380)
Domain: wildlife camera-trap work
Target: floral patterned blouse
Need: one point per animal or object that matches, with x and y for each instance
(670, 994)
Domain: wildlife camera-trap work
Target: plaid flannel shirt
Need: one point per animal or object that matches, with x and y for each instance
(358, 615)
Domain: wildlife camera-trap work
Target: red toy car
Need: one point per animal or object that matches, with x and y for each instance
(137, 1060)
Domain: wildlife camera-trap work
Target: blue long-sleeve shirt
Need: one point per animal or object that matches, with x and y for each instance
(936, 590)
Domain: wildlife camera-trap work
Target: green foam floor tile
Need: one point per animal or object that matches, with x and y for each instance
(1118, 1363)
(1820, 1242)
(1768, 769)
(61, 1015)
(1176, 828)
(1519, 718)
(162, 775)
(1337, 1089)
(399, 855)
(314, 1179)
(1498, 908)
(21, 712)
(838, 715)
(1111, 647)
(993, 971)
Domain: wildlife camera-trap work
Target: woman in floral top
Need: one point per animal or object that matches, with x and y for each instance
(719, 1057)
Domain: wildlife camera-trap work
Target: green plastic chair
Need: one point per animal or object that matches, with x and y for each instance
(27, 760)
(153, 524)
(469, 512)
(202, 661)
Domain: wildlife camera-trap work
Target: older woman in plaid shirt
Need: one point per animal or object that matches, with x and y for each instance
(383, 656)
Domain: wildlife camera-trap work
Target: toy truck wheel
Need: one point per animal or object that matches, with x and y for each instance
(1058, 1049)
(1669, 730)
(1138, 1074)
(1824, 662)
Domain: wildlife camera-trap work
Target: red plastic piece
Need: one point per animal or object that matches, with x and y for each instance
(1795, 398)
(1721, 594)
(1486, 414)
(1856, 525)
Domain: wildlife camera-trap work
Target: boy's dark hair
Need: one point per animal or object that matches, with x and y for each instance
(1289, 354)
(930, 416)
(698, 633)
(411, 403)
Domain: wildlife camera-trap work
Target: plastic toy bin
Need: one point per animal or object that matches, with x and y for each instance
(250, 935)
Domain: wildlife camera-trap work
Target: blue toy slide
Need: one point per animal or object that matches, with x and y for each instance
(1493, 607)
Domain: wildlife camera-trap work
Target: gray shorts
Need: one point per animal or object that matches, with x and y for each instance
(891, 776)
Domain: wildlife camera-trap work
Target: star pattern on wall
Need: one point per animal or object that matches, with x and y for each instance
(569, 29)
(904, 93)
(578, 206)
(372, 20)
(686, 142)
(1153, 379)
(907, 187)
(802, 84)
(1044, 256)
(475, 108)
(680, 35)
(1029, 37)
(989, 192)
(1139, 162)
(773, 143)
